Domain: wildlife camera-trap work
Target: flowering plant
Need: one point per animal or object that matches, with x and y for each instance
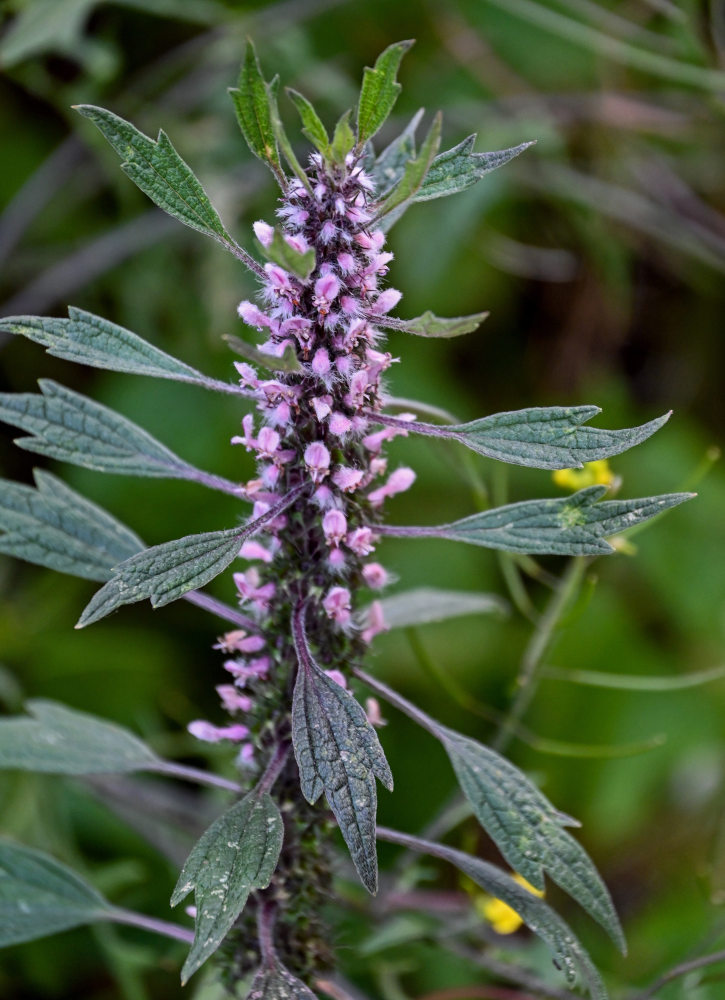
(261, 873)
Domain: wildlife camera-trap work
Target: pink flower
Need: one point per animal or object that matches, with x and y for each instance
(253, 550)
(322, 405)
(321, 362)
(339, 424)
(337, 604)
(375, 622)
(239, 642)
(232, 700)
(326, 290)
(334, 525)
(375, 575)
(398, 481)
(347, 479)
(264, 233)
(386, 301)
(214, 734)
(337, 677)
(317, 460)
(372, 710)
(360, 541)
(242, 672)
(252, 315)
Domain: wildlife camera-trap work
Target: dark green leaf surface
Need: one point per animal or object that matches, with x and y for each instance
(166, 572)
(312, 126)
(60, 740)
(39, 896)
(459, 168)
(343, 139)
(338, 752)
(569, 526)
(92, 340)
(389, 167)
(427, 604)
(430, 325)
(275, 982)
(237, 854)
(160, 172)
(56, 527)
(526, 828)
(73, 428)
(379, 91)
(404, 192)
(570, 955)
(251, 103)
(280, 252)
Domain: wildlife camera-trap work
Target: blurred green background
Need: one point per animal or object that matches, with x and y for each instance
(600, 254)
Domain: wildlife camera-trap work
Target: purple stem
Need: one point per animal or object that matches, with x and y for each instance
(398, 701)
(265, 932)
(429, 430)
(196, 775)
(274, 768)
(399, 531)
(214, 482)
(221, 610)
(163, 927)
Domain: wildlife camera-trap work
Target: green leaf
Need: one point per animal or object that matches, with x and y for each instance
(60, 740)
(338, 752)
(526, 828)
(275, 982)
(459, 168)
(632, 682)
(237, 854)
(427, 604)
(343, 139)
(404, 192)
(570, 526)
(379, 91)
(287, 363)
(92, 340)
(280, 252)
(542, 437)
(56, 527)
(70, 427)
(160, 172)
(281, 136)
(570, 955)
(389, 167)
(251, 103)
(40, 896)
(312, 126)
(430, 325)
(166, 572)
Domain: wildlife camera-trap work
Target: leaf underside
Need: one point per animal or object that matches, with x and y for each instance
(428, 604)
(275, 982)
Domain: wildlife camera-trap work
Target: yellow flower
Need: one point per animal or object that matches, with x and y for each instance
(502, 917)
(592, 474)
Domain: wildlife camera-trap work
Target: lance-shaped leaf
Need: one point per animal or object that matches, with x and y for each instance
(568, 526)
(459, 168)
(56, 527)
(275, 982)
(160, 172)
(343, 139)
(251, 103)
(312, 126)
(60, 740)
(403, 194)
(73, 428)
(92, 340)
(524, 825)
(379, 91)
(389, 167)
(427, 604)
(337, 752)
(40, 896)
(570, 956)
(280, 252)
(542, 437)
(430, 325)
(165, 572)
(236, 855)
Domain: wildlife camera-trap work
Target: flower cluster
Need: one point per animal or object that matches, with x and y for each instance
(315, 425)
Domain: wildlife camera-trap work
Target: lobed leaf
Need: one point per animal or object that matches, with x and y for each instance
(404, 192)
(571, 526)
(526, 828)
(379, 91)
(165, 572)
(73, 428)
(40, 896)
(430, 325)
(236, 855)
(54, 526)
(60, 740)
(459, 168)
(570, 955)
(312, 126)
(427, 604)
(280, 252)
(160, 172)
(389, 167)
(92, 340)
(338, 752)
(252, 105)
(275, 982)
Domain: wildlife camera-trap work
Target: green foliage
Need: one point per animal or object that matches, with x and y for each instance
(429, 604)
(459, 168)
(39, 896)
(280, 252)
(252, 105)
(379, 91)
(338, 753)
(404, 192)
(389, 166)
(430, 325)
(237, 854)
(56, 527)
(312, 126)
(275, 982)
